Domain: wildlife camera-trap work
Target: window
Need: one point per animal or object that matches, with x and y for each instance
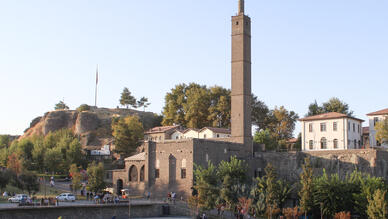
(359, 143)
(323, 143)
(348, 126)
(358, 128)
(311, 144)
(375, 120)
(142, 174)
(156, 173)
(204, 136)
(335, 143)
(354, 127)
(335, 126)
(183, 173)
(236, 22)
(218, 135)
(355, 143)
(349, 142)
(176, 137)
(310, 127)
(323, 127)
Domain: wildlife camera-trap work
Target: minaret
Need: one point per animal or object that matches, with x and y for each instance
(241, 78)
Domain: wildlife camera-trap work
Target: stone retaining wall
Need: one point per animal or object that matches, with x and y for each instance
(85, 211)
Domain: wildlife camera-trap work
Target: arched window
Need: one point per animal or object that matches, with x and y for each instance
(323, 143)
(355, 143)
(132, 175)
(335, 143)
(142, 174)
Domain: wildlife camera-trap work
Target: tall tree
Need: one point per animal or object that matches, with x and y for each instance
(61, 106)
(127, 99)
(260, 114)
(143, 102)
(197, 106)
(29, 182)
(96, 177)
(282, 124)
(377, 207)
(219, 109)
(128, 133)
(315, 109)
(306, 191)
(333, 105)
(4, 141)
(382, 130)
(76, 178)
(206, 185)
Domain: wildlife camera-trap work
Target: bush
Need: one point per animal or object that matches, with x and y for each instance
(83, 107)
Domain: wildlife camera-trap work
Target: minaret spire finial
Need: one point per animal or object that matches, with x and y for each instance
(240, 6)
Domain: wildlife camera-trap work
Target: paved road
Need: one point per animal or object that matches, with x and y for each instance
(82, 202)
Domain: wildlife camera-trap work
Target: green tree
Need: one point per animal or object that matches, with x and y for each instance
(233, 176)
(53, 160)
(315, 109)
(197, 106)
(382, 130)
(76, 178)
(377, 206)
(61, 106)
(83, 107)
(28, 182)
(219, 109)
(333, 105)
(127, 99)
(4, 178)
(128, 133)
(307, 187)
(74, 154)
(260, 114)
(282, 124)
(4, 141)
(96, 177)
(143, 102)
(265, 137)
(271, 189)
(206, 185)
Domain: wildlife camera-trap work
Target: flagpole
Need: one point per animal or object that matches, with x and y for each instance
(95, 93)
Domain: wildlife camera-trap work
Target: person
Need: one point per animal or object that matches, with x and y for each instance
(173, 195)
(5, 194)
(87, 196)
(148, 195)
(117, 199)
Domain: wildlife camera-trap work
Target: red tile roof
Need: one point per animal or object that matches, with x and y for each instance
(161, 129)
(331, 115)
(380, 112)
(217, 130)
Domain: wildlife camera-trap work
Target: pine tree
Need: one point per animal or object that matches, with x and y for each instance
(306, 192)
(377, 206)
(127, 99)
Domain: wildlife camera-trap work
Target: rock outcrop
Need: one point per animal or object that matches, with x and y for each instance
(93, 126)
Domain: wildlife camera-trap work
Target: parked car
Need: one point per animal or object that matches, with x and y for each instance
(18, 198)
(66, 197)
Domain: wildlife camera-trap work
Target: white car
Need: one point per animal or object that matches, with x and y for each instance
(18, 198)
(66, 197)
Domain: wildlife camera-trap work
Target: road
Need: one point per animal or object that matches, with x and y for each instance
(83, 202)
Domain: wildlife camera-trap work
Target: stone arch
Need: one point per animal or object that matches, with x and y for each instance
(132, 174)
(142, 174)
(119, 184)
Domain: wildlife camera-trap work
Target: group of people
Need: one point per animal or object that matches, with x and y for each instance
(6, 194)
(102, 198)
(171, 197)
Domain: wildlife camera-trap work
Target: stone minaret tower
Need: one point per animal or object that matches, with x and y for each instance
(241, 78)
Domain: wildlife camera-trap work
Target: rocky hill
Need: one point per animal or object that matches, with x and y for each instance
(93, 126)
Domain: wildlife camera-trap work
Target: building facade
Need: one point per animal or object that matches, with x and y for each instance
(374, 118)
(331, 131)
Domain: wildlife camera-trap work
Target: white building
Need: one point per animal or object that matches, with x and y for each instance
(331, 131)
(207, 132)
(373, 119)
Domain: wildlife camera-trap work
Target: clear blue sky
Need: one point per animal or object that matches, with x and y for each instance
(302, 50)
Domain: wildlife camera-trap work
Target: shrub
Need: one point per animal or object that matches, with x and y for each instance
(83, 107)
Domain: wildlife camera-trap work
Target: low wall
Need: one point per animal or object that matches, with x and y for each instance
(343, 162)
(86, 211)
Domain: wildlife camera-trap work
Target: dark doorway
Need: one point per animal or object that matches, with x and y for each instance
(119, 186)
